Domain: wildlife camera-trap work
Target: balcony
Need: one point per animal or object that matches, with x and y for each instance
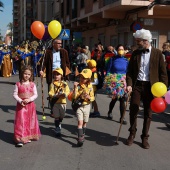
(108, 2)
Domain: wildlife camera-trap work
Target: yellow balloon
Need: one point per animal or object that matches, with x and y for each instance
(54, 28)
(158, 89)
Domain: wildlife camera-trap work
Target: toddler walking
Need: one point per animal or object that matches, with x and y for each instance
(58, 92)
(84, 91)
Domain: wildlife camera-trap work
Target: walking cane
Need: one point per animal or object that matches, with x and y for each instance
(42, 84)
(36, 71)
(42, 89)
(116, 142)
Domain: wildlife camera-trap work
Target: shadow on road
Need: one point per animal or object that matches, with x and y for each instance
(162, 117)
(7, 108)
(7, 82)
(7, 137)
(164, 128)
(100, 138)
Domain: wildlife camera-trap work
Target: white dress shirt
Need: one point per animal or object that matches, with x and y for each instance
(144, 66)
(56, 60)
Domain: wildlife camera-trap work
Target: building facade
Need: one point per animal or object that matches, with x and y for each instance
(108, 21)
(114, 21)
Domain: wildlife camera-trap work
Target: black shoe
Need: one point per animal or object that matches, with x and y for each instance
(168, 125)
(109, 116)
(80, 141)
(124, 122)
(95, 114)
(79, 144)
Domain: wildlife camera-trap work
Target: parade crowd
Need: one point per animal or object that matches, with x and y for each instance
(121, 71)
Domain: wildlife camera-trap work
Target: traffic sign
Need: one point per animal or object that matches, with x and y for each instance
(65, 34)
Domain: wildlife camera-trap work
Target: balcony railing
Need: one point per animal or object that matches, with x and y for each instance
(107, 2)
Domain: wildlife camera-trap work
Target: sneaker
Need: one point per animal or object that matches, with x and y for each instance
(109, 116)
(29, 141)
(60, 127)
(58, 131)
(20, 144)
(124, 122)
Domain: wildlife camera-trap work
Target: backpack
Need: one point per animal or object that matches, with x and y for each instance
(100, 80)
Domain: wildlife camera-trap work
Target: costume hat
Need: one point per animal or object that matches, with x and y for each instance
(86, 73)
(58, 70)
(91, 63)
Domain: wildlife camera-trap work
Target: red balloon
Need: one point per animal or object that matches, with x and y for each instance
(70, 96)
(38, 29)
(158, 105)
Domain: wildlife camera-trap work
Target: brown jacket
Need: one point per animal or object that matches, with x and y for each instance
(48, 61)
(157, 68)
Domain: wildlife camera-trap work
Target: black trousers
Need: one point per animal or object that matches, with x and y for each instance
(121, 107)
(141, 91)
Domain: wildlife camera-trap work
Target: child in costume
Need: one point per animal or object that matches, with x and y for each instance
(26, 127)
(115, 81)
(83, 90)
(58, 92)
(94, 81)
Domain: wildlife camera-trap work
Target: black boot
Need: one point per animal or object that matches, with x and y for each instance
(57, 128)
(80, 138)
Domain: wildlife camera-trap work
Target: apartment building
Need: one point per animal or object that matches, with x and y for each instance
(114, 21)
(23, 16)
(27, 11)
(91, 21)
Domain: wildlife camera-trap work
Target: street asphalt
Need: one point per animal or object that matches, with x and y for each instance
(99, 151)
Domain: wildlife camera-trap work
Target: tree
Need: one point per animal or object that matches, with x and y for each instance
(1, 6)
(1, 36)
(10, 27)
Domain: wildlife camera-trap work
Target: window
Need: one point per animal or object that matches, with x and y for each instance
(82, 3)
(62, 9)
(74, 8)
(83, 40)
(91, 43)
(68, 7)
(113, 41)
(168, 36)
(101, 38)
(155, 39)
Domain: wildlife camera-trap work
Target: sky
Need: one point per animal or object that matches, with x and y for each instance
(6, 16)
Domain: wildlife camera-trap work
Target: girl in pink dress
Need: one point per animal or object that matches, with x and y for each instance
(26, 127)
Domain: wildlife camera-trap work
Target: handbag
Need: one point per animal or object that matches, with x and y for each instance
(76, 103)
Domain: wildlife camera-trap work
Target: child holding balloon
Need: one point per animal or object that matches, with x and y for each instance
(26, 127)
(58, 92)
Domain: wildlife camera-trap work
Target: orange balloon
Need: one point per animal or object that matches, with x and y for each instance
(38, 29)
(70, 96)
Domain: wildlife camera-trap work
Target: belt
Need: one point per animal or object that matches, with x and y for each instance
(139, 82)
